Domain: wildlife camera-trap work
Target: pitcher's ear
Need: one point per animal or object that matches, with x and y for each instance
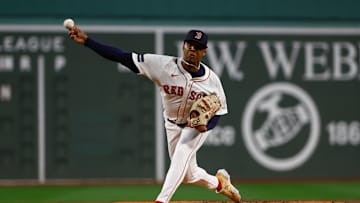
(204, 53)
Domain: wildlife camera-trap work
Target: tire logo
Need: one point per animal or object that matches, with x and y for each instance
(281, 126)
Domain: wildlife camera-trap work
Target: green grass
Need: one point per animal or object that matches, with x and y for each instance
(104, 194)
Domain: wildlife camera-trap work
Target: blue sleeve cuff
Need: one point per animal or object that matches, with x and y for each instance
(213, 122)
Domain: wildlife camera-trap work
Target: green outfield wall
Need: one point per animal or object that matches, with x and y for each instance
(290, 70)
(293, 98)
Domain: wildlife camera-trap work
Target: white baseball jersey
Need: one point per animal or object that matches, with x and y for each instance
(178, 89)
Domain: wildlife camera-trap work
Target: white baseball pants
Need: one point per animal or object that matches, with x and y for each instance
(183, 144)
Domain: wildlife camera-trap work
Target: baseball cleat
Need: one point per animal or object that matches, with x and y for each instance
(227, 188)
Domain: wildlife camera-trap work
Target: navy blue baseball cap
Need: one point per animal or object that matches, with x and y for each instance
(198, 37)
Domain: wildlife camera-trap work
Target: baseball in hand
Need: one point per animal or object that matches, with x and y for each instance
(69, 23)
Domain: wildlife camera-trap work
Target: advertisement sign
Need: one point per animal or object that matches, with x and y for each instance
(293, 102)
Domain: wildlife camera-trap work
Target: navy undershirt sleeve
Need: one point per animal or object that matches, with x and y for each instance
(213, 122)
(113, 54)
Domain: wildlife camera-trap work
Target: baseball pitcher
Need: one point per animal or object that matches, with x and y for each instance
(193, 101)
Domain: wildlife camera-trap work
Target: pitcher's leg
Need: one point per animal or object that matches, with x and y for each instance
(190, 141)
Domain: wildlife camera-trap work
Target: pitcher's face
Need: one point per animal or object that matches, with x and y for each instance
(193, 53)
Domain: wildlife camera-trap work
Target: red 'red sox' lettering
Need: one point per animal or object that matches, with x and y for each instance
(195, 95)
(177, 90)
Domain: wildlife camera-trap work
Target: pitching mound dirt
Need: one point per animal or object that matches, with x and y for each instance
(252, 202)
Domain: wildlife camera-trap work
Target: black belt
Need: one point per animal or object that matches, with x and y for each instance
(182, 125)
